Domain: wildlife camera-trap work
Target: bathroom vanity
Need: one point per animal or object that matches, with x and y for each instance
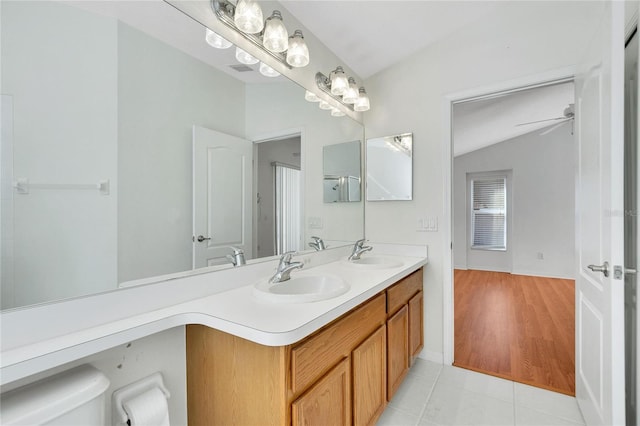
(344, 373)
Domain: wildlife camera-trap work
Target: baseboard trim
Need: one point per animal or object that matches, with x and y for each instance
(538, 274)
(432, 356)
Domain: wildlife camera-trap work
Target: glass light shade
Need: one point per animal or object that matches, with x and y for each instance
(335, 112)
(339, 82)
(298, 52)
(216, 40)
(275, 37)
(325, 105)
(248, 17)
(362, 104)
(311, 97)
(350, 96)
(245, 58)
(267, 71)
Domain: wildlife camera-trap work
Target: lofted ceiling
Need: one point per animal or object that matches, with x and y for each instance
(483, 122)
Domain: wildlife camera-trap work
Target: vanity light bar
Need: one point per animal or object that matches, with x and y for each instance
(270, 37)
(358, 104)
(224, 10)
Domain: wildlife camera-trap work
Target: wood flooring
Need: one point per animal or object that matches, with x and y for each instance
(516, 327)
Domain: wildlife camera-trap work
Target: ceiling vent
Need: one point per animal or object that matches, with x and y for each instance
(241, 67)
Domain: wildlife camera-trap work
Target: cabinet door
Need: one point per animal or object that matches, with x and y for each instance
(397, 350)
(328, 402)
(416, 326)
(369, 365)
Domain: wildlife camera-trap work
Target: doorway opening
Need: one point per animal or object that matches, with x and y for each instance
(513, 234)
(278, 201)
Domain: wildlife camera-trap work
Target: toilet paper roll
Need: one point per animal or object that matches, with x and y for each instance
(148, 409)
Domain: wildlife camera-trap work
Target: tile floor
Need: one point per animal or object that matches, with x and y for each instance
(436, 395)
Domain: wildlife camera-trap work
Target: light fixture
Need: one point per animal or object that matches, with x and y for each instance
(325, 105)
(359, 102)
(311, 97)
(362, 104)
(275, 36)
(335, 112)
(244, 57)
(248, 16)
(267, 71)
(216, 40)
(245, 18)
(339, 81)
(351, 94)
(298, 53)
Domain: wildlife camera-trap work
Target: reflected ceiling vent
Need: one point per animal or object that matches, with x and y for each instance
(241, 67)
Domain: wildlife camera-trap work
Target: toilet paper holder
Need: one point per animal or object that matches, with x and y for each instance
(131, 390)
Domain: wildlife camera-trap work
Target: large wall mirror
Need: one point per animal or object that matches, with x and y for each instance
(99, 104)
(390, 168)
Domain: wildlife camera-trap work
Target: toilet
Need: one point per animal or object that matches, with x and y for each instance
(73, 398)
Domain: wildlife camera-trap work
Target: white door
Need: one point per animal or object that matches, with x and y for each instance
(222, 167)
(600, 382)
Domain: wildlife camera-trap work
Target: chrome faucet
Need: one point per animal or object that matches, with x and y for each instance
(317, 244)
(237, 258)
(285, 267)
(358, 249)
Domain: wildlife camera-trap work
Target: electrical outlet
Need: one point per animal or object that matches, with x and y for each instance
(540, 256)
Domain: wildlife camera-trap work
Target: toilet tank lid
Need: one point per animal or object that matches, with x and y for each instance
(46, 399)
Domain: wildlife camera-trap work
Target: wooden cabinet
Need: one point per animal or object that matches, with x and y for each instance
(343, 373)
(416, 326)
(405, 336)
(369, 365)
(327, 402)
(398, 350)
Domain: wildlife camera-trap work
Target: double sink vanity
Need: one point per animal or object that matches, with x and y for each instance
(343, 373)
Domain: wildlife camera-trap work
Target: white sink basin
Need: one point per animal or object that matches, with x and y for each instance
(301, 289)
(376, 262)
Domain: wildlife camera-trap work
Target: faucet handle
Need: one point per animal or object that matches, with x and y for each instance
(236, 250)
(287, 256)
(360, 242)
(316, 239)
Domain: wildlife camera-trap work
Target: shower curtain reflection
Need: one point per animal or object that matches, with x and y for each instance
(287, 208)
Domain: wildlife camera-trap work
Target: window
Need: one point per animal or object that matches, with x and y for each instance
(489, 213)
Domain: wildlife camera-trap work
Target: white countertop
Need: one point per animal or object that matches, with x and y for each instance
(46, 336)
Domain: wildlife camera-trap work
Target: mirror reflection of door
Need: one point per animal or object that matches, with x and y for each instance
(278, 208)
(222, 188)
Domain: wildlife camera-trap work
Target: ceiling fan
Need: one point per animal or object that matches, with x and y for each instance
(567, 114)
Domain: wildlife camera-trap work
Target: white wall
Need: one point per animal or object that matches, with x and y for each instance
(542, 207)
(273, 108)
(162, 94)
(65, 127)
(534, 38)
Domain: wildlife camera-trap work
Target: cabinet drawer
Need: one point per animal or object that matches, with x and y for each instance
(400, 293)
(316, 355)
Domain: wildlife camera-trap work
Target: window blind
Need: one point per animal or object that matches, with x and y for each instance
(489, 213)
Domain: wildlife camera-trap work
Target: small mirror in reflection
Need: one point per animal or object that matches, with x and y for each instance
(341, 168)
(389, 168)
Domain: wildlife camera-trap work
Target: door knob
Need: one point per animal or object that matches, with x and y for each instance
(202, 238)
(600, 268)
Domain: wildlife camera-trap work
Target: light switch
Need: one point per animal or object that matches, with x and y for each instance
(314, 222)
